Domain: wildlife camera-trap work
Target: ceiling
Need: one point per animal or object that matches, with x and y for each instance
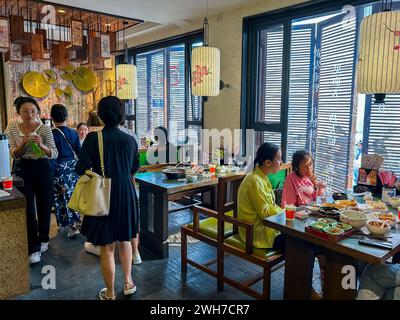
(32, 10)
(158, 11)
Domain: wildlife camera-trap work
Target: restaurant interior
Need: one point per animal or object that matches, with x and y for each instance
(264, 137)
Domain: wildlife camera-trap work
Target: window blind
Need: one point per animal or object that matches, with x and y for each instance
(334, 105)
(301, 62)
(384, 133)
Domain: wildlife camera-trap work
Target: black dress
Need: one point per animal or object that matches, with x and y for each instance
(121, 161)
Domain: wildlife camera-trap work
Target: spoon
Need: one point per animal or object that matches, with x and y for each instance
(384, 224)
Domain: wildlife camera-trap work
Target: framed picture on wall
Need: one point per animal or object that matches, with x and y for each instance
(105, 51)
(4, 34)
(108, 64)
(14, 55)
(76, 34)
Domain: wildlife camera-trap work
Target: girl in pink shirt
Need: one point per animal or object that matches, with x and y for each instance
(301, 186)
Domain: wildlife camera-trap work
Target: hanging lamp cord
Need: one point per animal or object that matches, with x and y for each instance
(205, 27)
(387, 5)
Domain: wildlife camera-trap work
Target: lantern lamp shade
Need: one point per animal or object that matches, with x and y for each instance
(126, 81)
(205, 71)
(378, 69)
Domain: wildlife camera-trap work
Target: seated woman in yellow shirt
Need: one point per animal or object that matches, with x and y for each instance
(256, 199)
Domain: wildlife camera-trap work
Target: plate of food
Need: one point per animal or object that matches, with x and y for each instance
(328, 221)
(335, 231)
(376, 205)
(347, 203)
(390, 217)
(329, 212)
(354, 218)
(320, 226)
(172, 173)
(394, 202)
(379, 227)
(344, 226)
(339, 196)
(313, 209)
(332, 205)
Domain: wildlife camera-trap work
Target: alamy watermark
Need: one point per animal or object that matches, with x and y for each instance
(349, 281)
(49, 278)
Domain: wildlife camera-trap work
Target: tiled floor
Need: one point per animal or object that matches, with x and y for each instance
(78, 273)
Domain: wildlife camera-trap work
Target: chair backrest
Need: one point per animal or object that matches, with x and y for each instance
(227, 192)
(280, 177)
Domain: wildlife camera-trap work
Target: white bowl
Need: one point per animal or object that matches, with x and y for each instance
(354, 218)
(377, 230)
(394, 202)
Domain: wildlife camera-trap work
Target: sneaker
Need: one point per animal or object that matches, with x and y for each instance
(89, 247)
(136, 259)
(44, 246)
(34, 257)
(73, 232)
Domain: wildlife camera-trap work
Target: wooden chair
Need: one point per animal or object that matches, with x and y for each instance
(269, 260)
(206, 230)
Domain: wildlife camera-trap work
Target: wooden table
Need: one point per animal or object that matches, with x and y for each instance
(301, 248)
(155, 192)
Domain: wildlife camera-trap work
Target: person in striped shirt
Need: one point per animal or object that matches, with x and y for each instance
(32, 143)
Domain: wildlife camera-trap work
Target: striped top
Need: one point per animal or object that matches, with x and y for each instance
(16, 135)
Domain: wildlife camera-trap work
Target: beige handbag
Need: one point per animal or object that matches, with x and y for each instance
(91, 196)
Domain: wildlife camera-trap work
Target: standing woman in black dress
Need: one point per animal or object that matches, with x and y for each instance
(121, 160)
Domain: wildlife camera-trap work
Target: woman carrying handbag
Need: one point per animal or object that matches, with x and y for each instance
(69, 147)
(121, 161)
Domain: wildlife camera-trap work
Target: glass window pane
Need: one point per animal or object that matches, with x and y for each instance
(142, 116)
(176, 112)
(266, 136)
(300, 92)
(157, 94)
(384, 133)
(270, 75)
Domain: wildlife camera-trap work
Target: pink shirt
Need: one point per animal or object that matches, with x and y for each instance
(298, 191)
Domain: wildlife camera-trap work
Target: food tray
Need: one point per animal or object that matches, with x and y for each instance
(328, 236)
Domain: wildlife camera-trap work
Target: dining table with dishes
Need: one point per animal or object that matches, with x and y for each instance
(349, 233)
(172, 189)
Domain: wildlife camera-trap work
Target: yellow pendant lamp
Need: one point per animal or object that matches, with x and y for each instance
(126, 77)
(378, 69)
(205, 68)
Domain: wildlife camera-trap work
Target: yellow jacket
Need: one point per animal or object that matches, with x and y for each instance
(256, 201)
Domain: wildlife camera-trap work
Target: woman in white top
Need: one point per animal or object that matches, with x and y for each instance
(33, 143)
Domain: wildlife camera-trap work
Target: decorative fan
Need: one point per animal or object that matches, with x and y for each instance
(69, 73)
(85, 79)
(67, 91)
(35, 84)
(50, 76)
(59, 92)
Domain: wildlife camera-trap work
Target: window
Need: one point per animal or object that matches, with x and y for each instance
(301, 67)
(384, 132)
(164, 93)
